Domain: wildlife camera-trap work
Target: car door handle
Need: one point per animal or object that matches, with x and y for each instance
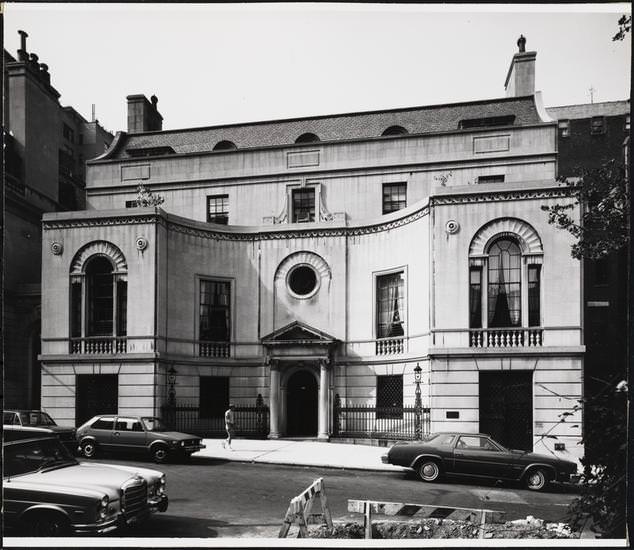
(116, 433)
(458, 453)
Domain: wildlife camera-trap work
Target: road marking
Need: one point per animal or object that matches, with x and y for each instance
(492, 495)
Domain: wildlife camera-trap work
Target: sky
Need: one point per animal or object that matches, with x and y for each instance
(214, 64)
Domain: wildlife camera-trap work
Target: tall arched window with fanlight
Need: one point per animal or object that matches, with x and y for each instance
(505, 261)
(98, 300)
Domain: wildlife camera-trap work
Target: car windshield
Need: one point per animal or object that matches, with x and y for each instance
(27, 457)
(153, 424)
(36, 418)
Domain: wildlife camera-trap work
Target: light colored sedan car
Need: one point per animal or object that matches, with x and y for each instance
(47, 492)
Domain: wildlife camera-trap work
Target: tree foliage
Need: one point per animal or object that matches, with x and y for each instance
(603, 197)
(625, 26)
(604, 488)
(145, 197)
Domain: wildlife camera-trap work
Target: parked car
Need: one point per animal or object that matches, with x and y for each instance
(135, 434)
(43, 422)
(477, 455)
(47, 492)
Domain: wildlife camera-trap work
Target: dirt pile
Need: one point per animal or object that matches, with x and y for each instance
(443, 529)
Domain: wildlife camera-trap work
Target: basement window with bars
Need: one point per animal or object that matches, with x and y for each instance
(389, 396)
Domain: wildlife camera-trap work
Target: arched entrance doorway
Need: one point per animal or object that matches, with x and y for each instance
(301, 404)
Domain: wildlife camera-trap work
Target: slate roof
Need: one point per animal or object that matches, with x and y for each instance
(587, 110)
(349, 126)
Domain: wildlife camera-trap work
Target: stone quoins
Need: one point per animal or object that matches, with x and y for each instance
(57, 248)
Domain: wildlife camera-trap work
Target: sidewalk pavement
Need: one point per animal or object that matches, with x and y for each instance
(299, 453)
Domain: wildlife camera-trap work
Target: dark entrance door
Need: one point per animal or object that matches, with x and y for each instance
(301, 404)
(506, 408)
(96, 394)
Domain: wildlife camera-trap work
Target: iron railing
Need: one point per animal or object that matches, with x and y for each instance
(371, 422)
(251, 421)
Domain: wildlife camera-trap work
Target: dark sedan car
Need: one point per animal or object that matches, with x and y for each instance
(135, 434)
(477, 455)
(23, 421)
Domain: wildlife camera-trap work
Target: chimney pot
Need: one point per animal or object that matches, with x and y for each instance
(521, 43)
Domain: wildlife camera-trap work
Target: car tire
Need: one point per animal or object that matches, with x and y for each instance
(159, 453)
(536, 479)
(428, 470)
(89, 449)
(46, 524)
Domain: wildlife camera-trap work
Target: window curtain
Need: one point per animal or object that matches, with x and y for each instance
(504, 285)
(390, 323)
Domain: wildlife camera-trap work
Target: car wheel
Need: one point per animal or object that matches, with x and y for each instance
(89, 449)
(159, 453)
(46, 524)
(536, 479)
(428, 470)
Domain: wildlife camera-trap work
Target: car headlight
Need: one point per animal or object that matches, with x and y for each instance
(182, 443)
(173, 443)
(160, 489)
(102, 511)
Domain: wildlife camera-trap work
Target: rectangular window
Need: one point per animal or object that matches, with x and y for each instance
(303, 205)
(390, 305)
(597, 125)
(394, 196)
(218, 209)
(534, 278)
(214, 311)
(75, 309)
(122, 313)
(131, 204)
(69, 134)
(475, 297)
(100, 301)
(564, 128)
(213, 396)
(389, 396)
(495, 178)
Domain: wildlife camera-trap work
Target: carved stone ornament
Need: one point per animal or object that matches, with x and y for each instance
(57, 248)
(141, 243)
(452, 226)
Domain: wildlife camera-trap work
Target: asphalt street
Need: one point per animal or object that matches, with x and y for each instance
(216, 498)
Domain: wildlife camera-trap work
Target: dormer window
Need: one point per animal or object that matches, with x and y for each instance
(486, 122)
(307, 138)
(225, 145)
(150, 151)
(394, 131)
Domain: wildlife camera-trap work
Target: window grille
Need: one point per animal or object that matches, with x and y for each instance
(389, 396)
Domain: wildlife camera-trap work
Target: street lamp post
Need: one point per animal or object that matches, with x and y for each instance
(418, 403)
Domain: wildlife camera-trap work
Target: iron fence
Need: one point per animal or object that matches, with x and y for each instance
(371, 422)
(250, 421)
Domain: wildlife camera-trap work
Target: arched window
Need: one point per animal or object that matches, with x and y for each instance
(307, 138)
(504, 292)
(394, 131)
(98, 296)
(505, 261)
(225, 145)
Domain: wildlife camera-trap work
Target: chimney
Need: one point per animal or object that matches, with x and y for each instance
(520, 80)
(143, 116)
(23, 56)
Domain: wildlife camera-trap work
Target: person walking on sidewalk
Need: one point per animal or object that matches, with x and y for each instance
(230, 426)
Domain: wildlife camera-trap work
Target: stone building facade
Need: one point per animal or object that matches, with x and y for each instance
(324, 259)
(46, 146)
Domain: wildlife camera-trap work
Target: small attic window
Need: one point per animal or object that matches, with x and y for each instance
(150, 151)
(486, 122)
(394, 131)
(307, 138)
(225, 145)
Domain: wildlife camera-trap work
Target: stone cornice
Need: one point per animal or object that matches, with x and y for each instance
(501, 195)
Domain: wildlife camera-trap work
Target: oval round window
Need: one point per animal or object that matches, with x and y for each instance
(302, 281)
